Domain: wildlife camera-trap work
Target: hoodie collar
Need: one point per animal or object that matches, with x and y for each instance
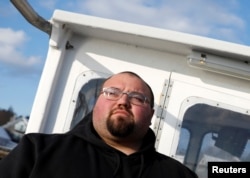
(85, 130)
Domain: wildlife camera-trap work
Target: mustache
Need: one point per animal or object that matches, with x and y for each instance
(121, 108)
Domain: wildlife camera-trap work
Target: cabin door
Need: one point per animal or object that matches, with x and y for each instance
(199, 123)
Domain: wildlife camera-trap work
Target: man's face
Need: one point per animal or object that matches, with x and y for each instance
(120, 118)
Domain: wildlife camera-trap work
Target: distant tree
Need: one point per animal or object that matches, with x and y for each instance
(11, 110)
(6, 115)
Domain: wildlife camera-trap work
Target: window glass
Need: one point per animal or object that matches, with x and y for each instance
(86, 99)
(211, 133)
(183, 145)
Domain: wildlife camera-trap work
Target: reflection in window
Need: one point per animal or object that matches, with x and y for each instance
(182, 147)
(86, 99)
(216, 134)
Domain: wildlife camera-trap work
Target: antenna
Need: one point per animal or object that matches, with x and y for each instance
(31, 16)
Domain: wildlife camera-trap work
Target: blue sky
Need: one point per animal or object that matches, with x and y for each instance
(23, 48)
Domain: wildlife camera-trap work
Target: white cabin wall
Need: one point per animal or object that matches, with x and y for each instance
(92, 54)
(110, 58)
(106, 57)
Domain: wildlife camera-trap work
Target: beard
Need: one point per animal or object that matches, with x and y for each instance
(120, 126)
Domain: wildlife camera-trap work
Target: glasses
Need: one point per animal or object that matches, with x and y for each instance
(134, 97)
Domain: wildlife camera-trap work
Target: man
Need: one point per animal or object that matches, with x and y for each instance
(113, 141)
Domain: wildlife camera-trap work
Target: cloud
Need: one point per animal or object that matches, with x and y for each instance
(206, 18)
(12, 60)
(50, 5)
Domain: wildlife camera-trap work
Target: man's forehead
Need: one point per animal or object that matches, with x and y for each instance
(124, 80)
(143, 86)
(122, 77)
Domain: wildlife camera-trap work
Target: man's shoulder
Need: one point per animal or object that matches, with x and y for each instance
(44, 135)
(165, 161)
(45, 138)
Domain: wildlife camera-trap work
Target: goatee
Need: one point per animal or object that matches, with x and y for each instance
(120, 126)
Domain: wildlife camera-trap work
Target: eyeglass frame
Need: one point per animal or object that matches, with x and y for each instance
(121, 93)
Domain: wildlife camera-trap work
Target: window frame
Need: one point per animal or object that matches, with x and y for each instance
(81, 81)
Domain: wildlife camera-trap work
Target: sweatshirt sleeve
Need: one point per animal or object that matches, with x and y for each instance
(20, 161)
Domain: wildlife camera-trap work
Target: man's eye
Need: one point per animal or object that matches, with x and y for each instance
(138, 98)
(111, 93)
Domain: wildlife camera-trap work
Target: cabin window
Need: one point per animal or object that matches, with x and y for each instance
(210, 133)
(86, 99)
(182, 148)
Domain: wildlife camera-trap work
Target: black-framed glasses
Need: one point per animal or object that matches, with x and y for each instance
(114, 94)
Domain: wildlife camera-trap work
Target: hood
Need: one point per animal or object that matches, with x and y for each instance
(85, 130)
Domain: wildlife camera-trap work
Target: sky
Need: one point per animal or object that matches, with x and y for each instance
(23, 48)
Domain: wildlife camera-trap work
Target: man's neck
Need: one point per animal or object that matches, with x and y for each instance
(126, 147)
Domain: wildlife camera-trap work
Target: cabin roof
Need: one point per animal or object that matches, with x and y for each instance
(148, 37)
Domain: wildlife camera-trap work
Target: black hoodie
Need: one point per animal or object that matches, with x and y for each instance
(81, 153)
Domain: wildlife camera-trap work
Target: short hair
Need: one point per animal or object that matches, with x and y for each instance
(136, 75)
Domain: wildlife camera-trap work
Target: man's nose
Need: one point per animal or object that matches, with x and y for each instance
(124, 100)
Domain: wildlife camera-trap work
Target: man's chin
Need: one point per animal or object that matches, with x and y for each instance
(120, 126)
